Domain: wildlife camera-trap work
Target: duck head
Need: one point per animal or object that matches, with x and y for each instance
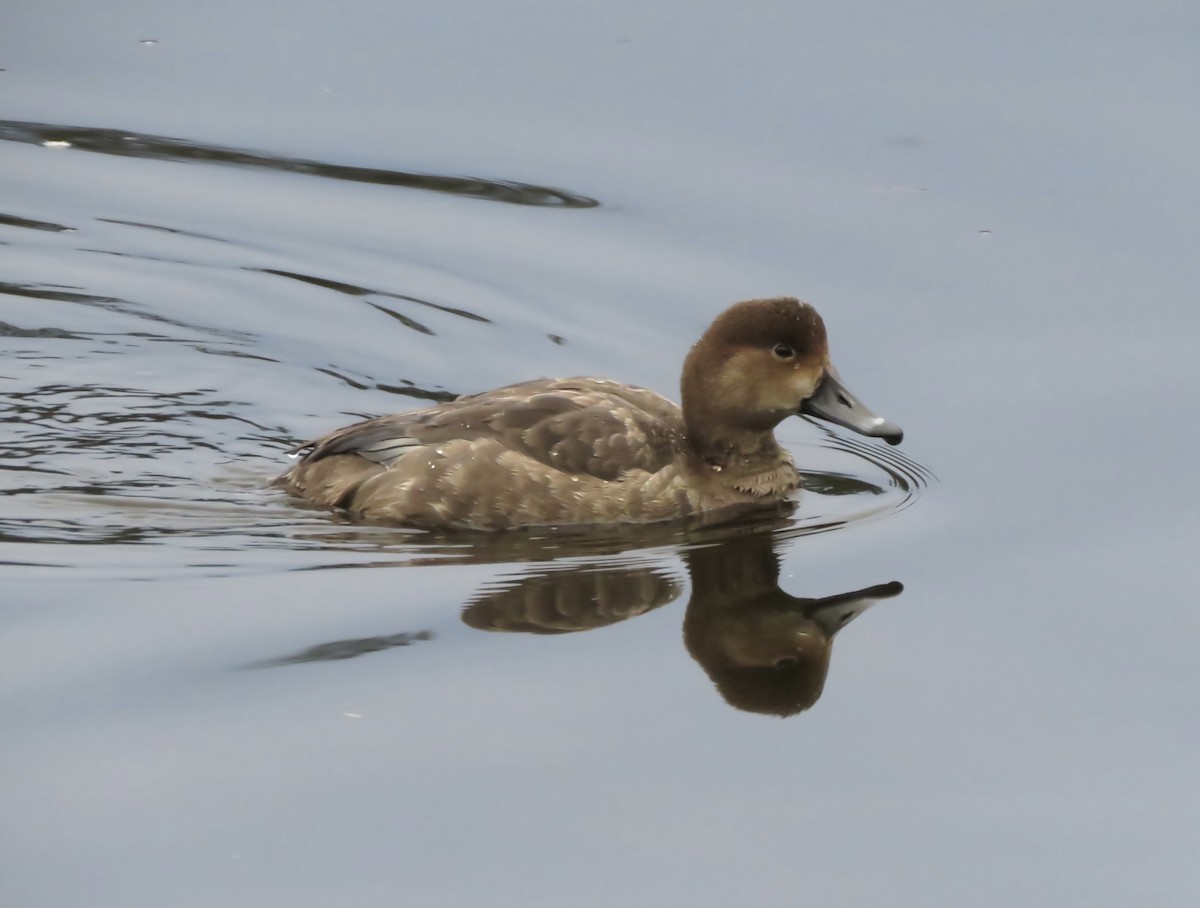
(762, 361)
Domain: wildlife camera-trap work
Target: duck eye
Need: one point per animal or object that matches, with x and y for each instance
(783, 351)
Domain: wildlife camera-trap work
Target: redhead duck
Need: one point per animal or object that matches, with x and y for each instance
(576, 451)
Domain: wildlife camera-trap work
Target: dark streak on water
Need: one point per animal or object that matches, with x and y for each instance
(163, 148)
(352, 290)
(11, 220)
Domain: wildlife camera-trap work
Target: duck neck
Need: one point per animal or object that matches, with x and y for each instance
(736, 450)
(746, 462)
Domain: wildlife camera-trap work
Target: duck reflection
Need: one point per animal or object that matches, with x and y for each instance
(561, 600)
(765, 650)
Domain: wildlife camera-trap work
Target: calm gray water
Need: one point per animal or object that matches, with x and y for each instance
(229, 228)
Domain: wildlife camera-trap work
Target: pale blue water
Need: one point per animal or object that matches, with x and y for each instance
(271, 221)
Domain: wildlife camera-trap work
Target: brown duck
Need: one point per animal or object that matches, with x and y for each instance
(577, 451)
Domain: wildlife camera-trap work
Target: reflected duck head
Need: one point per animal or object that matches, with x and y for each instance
(760, 362)
(765, 658)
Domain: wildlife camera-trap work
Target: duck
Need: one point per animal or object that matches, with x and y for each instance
(574, 452)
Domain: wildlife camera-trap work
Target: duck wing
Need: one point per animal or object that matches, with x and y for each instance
(582, 425)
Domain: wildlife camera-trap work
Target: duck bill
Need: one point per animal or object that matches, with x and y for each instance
(834, 402)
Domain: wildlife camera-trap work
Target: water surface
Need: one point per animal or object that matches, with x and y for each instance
(221, 235)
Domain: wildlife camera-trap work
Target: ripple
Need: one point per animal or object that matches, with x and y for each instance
(155, 455)
(355, 291)
(163, 148)
(12, 220)
(891, 480)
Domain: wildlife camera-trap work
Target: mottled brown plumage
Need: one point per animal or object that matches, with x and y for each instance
(590, 450)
